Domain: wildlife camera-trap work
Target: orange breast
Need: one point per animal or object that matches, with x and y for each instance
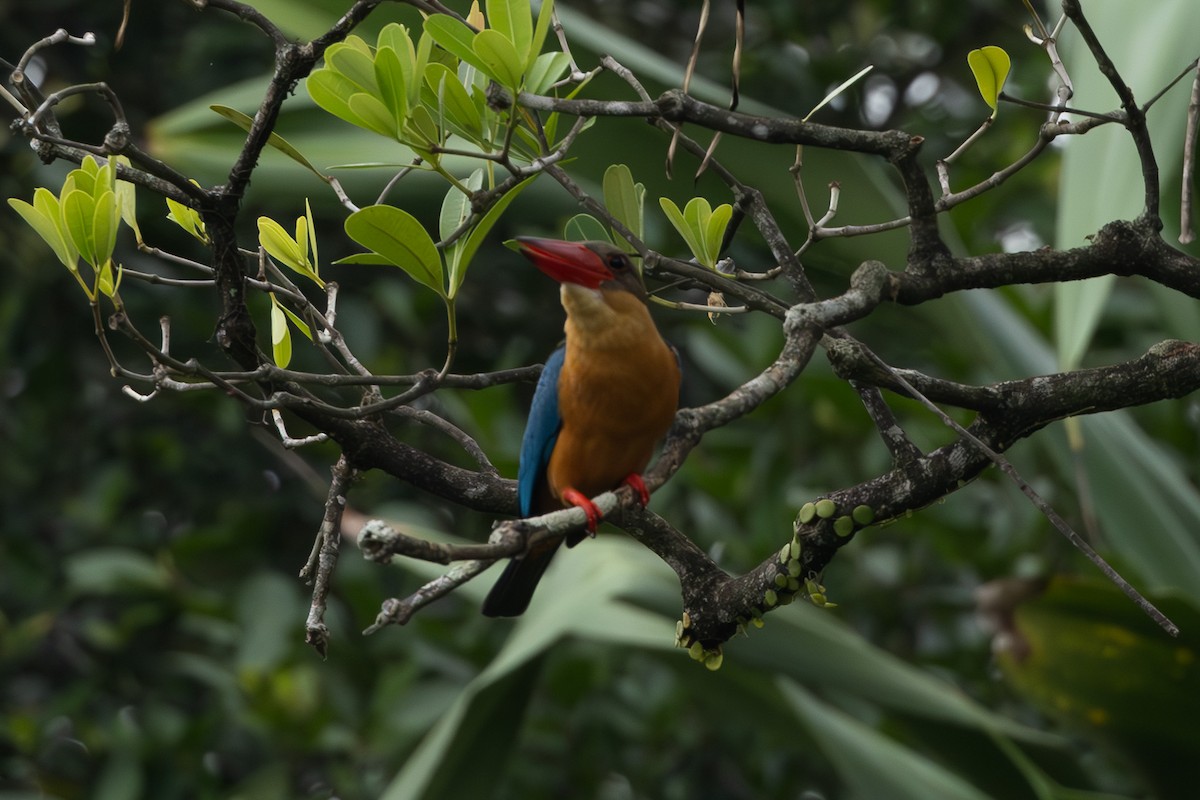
(617, 395)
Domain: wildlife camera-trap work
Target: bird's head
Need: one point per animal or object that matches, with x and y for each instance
(593, 265)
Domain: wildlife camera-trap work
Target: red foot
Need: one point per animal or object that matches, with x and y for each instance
(577, 498)
(635, 481)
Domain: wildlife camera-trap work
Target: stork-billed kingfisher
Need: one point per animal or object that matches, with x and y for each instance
(603, 401)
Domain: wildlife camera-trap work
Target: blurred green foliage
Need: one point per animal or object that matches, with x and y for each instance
(150, 622)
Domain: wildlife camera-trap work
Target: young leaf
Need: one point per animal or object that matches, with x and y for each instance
(300, 324)
(78, 214)
(990, 66)
(45, 217)
(700, 226)
(281, 339)
(127, 201)
(396, 237)
(475, 17)
(681, 226)
(278, 244)
(624, 200)
(312, 237)
(187, 218)
(106, 283)
(714, 231)
(105, 219)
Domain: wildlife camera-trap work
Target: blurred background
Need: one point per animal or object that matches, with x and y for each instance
(151, 620)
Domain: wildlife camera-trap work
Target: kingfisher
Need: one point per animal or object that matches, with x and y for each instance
(604, 400)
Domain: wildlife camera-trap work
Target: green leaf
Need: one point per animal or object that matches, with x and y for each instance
(1089, 196)
(106, 282)
(681, 226)
(397, 37)
(186, 218)
(697, 213)
(1143, 703)
(278, 244)
(545, 18)
(45, 217)
(281, 339)
(456, 209)
(245, 122)
(112, 570)
(990, 66)
(105, 218)
(578, 599)
(586, 228)
(546, 70)
(500, 58)
(453, 102)
(389, 74)
(476, 237)
(624, 200)
(127, 201)
(843, 86)
(456, 38)
(79, 215)
(331, 91)
(714, 231)
(869, 763)
(701, 227)
(292, 252)
(510, 18)
(355, 63)
(396, 237)
(300, 324)
(422, 132)
(314, 261)
(456, 206)
(372, 114)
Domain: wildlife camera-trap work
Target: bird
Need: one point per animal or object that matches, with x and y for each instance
(603, 401)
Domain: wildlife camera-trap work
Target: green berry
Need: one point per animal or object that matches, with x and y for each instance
(863, 515)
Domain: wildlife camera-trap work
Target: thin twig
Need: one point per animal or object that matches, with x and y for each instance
(322, 560)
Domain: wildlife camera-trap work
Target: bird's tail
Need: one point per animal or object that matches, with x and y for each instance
(514, 589)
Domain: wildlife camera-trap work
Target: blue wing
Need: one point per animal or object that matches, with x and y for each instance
(541, 432)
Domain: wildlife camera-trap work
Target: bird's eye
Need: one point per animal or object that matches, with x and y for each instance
(618, 262)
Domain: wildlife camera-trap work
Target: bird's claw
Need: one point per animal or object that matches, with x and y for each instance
(577, 499)
(635, 482)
